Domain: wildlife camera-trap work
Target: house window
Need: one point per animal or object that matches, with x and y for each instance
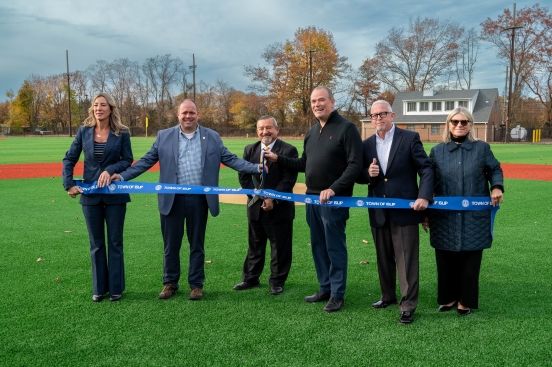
(411, 127)
(449, 105)
(436, 106)
(463, 104)
(411, 107)
(435, 129)
(424, 106)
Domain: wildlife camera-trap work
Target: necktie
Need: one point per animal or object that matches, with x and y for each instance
(263, 162)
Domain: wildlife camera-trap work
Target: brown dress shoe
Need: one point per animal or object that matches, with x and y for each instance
(196, 294)
(168, 291)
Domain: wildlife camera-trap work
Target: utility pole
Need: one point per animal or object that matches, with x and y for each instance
(193, 67)
(68, 91)
(512, 47)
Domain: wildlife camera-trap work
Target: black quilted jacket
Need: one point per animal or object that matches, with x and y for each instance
(467, 169)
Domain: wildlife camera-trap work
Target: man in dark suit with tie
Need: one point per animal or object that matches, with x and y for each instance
(188, 154)
(394, 158)
(268, 218)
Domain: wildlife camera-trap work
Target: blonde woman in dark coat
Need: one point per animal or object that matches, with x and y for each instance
(105, 142)
(463, 166)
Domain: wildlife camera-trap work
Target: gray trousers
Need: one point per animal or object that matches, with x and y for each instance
(397, 252)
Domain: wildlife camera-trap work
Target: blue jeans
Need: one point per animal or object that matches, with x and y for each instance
(329, 248)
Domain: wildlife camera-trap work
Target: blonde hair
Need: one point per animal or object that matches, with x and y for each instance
(115, 123)
(467, 114)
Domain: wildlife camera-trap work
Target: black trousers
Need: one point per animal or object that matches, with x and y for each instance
(458, 277)
(108, 267)
(280, 235)
(190, 210)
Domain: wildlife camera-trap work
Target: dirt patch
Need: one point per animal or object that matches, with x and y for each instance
(299, 188)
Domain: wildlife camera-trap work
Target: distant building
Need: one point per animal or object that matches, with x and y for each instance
(426, 112)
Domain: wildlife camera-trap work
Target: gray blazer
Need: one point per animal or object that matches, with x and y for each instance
(165, 151)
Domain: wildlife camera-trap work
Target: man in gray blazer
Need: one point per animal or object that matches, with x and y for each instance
(188, 154)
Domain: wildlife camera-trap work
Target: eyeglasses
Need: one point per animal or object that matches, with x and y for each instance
(381, 115)
(461, 122)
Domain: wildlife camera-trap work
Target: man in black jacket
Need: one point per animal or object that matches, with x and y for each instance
(394, 158)
(268, 218)
(331, 160)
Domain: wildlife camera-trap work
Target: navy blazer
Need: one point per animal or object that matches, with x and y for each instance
(407, 160)
(165, 151)
(279, 178)
(117, 157)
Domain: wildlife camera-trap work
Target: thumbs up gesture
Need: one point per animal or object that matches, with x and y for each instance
(373, 169)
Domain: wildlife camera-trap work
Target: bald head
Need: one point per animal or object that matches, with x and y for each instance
(188, 116)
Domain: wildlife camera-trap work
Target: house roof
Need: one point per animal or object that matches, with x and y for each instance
(484, 101)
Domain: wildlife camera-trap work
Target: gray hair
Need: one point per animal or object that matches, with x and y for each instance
(384, 102)
(268, 117)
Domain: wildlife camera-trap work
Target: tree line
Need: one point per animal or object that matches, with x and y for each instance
(427, 53)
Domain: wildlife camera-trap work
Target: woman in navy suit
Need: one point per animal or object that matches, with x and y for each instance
(105, 142)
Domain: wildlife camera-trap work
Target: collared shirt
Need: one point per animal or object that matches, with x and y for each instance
(189, 169)
(383, 147)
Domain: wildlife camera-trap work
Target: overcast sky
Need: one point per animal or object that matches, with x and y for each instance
(224, 35)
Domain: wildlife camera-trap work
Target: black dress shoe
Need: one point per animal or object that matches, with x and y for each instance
(445, 308)
(406, 317)
(334, 305)
(115, 297)
(383, 304)
(276, 289)
(317, 297)
(463, 311)
(245, 285)
(98, 297)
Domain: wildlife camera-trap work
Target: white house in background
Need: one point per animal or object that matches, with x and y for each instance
(426, 112)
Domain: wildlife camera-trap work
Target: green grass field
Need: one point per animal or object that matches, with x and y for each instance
(52, 149)
(48, 319)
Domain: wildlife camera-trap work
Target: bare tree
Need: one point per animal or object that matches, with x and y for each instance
(99, 74)
(123, 78)
(466, 59)
(540, 84)
(162, 72)
(533, 47)
(416, 59)
(224, 102)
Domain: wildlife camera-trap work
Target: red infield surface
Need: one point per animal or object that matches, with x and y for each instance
(540, 172)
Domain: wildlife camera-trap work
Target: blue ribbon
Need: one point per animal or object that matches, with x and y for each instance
(469, 203)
